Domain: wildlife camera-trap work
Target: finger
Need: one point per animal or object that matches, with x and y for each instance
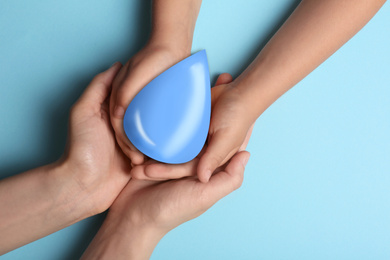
(126, 91)
(228, 180)
(172, 171)
(128, 148)
(138, 171)
(99, 88)
(136, 157)
(117, 83)
(219, 149)
(224, 78)
(153, 170)
(219, 87)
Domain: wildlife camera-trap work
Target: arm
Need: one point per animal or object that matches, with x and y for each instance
(84, 182)
(37, 203)
(312, 34)
(173, 24)
(120, 238)
(314, 31)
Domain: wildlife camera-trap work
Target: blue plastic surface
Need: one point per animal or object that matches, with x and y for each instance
(168, 120)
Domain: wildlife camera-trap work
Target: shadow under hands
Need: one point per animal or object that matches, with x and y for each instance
(90, 228)
(142, 28)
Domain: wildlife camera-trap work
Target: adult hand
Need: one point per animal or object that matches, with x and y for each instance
(146, 210)
(230, 128)
(93, 157)
(84, 182)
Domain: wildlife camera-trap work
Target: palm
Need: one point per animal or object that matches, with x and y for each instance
(164, 204)
(227, 113)
(93, 150)
(94, 146)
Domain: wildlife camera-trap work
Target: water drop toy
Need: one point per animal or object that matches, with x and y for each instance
(168, 120)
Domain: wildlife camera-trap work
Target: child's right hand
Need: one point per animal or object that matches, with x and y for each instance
(147, 64)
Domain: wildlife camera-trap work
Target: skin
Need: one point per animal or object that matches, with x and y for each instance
(146, 210)
(93, 171)
(88, 179)
(153, 170)
(173, 26)
(84, 182)
(313, 32)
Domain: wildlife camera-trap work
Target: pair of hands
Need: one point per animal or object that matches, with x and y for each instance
(107, 172)
(230, 127)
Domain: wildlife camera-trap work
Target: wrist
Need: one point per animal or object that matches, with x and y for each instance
(180, 49)
(39, 202)
(173, 23)
(71, 193)
(119, 238)
(258, 88)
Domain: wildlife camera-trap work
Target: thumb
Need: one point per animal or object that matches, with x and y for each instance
(99, 88)
(126, 91)
(224, 78)
(230, 179)
(221, 147)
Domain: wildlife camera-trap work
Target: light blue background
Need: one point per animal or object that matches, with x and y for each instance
(318, 183)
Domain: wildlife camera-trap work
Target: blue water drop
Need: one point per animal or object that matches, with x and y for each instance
(168, 120)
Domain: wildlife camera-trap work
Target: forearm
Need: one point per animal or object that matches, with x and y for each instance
(313, 32)
(120, 239)
(35, 204)
(173, 23)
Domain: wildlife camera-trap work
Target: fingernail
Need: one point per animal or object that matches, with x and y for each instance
(119, 111)
(114, 64)
(246, 159)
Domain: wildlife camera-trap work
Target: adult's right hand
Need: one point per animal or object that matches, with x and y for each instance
(146, 210)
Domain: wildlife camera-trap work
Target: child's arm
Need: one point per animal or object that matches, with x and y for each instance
(313, 32)
(173, 24)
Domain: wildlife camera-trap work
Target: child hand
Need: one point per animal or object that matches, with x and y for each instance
(152, 170)
(230, 127)
(147, 64)
(93, 159)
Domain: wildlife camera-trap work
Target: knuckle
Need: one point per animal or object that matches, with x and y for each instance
(137, 173)
(215, 159)
(99, 77)
(153, 171)
(204, 200)
(121, 96)
(237, 181)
